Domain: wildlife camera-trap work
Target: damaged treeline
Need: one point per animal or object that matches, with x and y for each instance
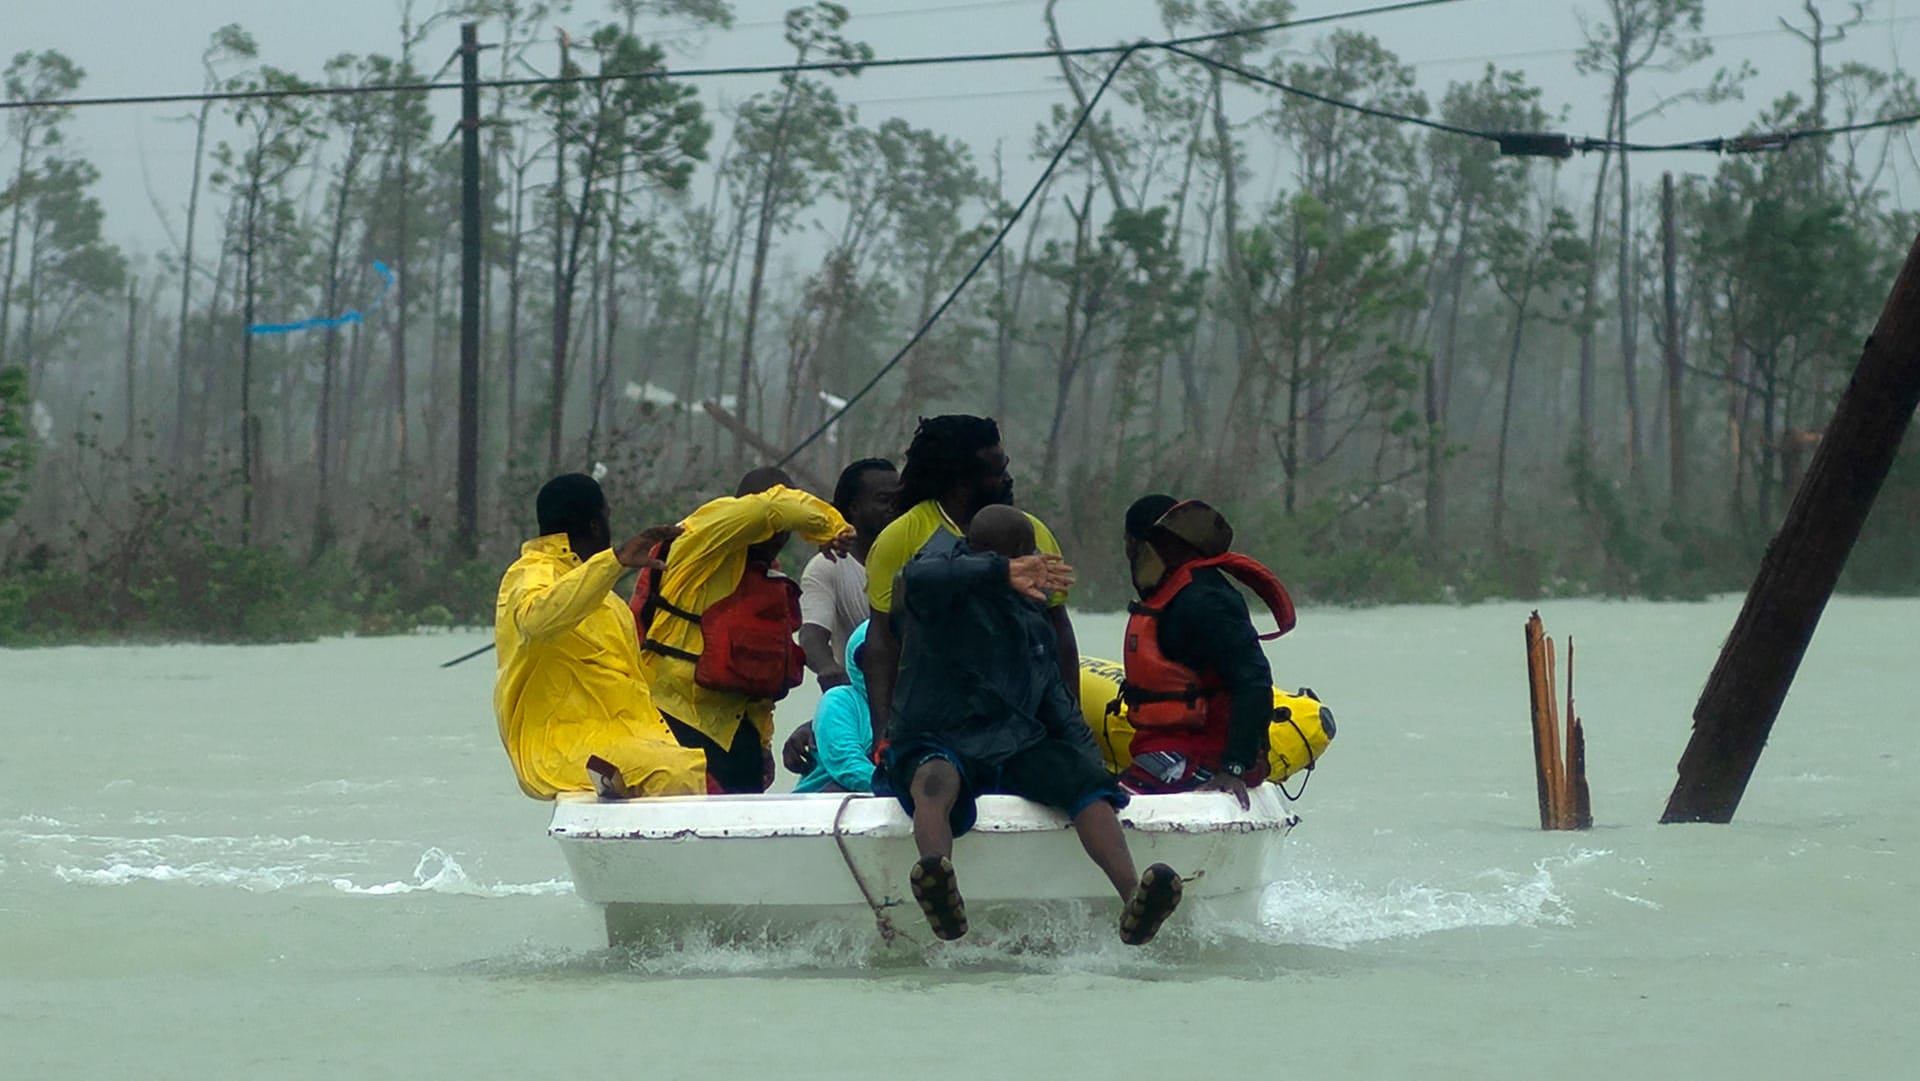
(1402, 373)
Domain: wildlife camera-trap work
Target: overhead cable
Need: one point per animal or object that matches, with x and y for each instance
(1554, 144)
(973, 271)
(1310, 95)
(1517, 143)
(938, 60)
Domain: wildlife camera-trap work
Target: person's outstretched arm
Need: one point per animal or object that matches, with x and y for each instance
(946, 577)
(733, 523)
(940, 578)
(544, 606)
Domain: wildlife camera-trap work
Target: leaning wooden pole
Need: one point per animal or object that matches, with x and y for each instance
(1801, 567)
(1559, 766)
(1540, 695)
(1556, 760)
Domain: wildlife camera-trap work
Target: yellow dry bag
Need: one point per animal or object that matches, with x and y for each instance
(1301, 731)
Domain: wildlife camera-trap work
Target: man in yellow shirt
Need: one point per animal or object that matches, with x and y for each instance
(955, 466)
(704, 565)
(568, 687)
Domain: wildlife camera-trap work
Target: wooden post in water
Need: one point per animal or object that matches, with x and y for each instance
(1798, 573)
(1540, 699)
(1560, 771)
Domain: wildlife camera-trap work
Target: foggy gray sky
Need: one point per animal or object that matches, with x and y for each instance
(141, 46)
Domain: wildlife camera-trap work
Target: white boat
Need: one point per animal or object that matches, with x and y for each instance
(790, 861)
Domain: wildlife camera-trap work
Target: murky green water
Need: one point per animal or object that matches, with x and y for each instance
(311, 861)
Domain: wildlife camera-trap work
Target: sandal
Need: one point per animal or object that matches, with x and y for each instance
(1153, 902)
(939, 896)
(607, 783)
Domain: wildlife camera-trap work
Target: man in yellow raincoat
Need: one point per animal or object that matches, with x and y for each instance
(568, 688)
(704, 565)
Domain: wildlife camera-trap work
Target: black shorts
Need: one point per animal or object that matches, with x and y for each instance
(738, 769)
(1054, 773)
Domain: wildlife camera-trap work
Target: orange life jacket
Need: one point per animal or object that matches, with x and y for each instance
(1165, 696)
(748, 634)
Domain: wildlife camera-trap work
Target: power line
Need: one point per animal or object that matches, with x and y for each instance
(1538, 144)
(947, 59)
(1767, 140)
(1560, 144)
(1517, 143)
(1310, 95)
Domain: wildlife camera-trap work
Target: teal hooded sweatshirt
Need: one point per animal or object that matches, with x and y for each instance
(843, 730)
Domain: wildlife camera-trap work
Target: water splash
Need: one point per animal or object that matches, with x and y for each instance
(1308, 920)
(1313, 910)
(259, 864)
(251, 879)
(447, 876)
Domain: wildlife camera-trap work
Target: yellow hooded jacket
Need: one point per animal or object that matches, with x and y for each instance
(569, 685)
(703, 566)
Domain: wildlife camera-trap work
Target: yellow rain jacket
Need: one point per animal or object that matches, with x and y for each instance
(704, 565)
(569, 680)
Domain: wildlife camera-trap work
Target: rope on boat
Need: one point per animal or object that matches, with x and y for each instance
(888, 932)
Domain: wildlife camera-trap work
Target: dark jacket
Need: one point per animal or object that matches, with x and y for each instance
(1207, 628)
(979, 666)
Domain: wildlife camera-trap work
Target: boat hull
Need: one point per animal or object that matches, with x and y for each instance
(787, 861)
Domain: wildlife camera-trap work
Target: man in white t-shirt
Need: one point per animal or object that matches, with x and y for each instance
(833, 593)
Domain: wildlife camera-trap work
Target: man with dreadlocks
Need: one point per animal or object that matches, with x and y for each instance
(955, 466)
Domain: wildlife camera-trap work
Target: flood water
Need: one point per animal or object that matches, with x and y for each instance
(311, 861)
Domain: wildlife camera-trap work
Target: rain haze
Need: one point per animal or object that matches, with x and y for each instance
(146, 152)
(360, 721)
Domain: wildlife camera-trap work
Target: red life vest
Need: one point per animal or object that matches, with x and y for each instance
(748, 634)
(1167, 697)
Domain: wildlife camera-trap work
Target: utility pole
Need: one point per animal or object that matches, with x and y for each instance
(248, 439)
(1676, 424)
(468, 539)
(133, 310)
(557, 404)
(1757, 665)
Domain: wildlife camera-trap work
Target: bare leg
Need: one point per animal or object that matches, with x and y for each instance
(1099, 830)
(935, 787)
